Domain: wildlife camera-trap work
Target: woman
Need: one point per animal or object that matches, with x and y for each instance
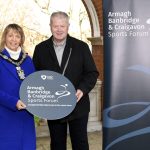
(17, 131)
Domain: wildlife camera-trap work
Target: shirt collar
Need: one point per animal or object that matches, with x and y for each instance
(61, 44)
(14, 54)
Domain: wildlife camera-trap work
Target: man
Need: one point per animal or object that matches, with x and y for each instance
(72, 58)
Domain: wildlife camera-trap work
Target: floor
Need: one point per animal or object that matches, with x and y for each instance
(43, 140)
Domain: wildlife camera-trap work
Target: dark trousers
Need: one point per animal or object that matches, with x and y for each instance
(77, 130)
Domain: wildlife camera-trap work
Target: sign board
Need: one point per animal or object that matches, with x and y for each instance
(48, 95)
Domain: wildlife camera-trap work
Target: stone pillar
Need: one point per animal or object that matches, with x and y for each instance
(94, 123)
(96, 40)
(97, 53)
(96, 94)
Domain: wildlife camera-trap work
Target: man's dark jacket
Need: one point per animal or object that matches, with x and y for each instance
(81, 69)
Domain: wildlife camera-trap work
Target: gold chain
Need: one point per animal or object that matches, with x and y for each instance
(13, 62)
(20, 72)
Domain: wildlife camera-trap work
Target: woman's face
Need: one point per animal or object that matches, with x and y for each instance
(13, 40)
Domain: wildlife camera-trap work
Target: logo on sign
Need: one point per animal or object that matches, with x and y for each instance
(44, 77)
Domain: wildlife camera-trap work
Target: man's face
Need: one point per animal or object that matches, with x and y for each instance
(59, 28)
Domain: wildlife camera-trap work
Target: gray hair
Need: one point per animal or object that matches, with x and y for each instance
(59, 14)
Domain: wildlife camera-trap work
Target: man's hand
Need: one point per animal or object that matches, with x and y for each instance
(79, 94)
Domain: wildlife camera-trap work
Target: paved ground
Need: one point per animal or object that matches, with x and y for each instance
(43, 140)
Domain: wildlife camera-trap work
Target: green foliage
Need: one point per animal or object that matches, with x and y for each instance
(36, 120)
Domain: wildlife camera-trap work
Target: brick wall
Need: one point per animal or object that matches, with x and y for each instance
(97, 50)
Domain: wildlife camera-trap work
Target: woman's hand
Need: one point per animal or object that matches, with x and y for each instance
(20, 105)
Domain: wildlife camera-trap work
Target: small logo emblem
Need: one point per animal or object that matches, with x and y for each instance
(43, 77)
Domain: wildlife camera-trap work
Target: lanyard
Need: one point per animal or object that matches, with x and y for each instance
(67, 62)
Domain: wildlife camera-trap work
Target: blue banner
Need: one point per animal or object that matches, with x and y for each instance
(126, 115)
